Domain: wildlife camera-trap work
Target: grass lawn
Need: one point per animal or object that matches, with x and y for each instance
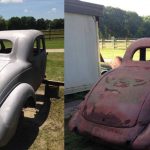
(55, 43)
(55, 66)
(111, 53)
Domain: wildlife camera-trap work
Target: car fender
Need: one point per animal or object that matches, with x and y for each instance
(11, 109)
(142, 140)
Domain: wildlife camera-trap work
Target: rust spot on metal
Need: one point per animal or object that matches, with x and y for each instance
(112, 90)
(140, 84)
(147, 68)
(121, 84)
(139, 80)
(127, 122)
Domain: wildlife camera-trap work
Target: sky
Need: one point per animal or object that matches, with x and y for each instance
(47, 9)
(141, 7)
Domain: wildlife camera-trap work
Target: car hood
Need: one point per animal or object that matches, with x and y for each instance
(118, 97)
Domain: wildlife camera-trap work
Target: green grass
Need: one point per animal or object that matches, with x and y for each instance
(55, 66)
(55, 43)
(111, 53)
(7, 43)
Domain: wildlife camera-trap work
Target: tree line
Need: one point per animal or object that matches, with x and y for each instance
(16, 23)
(123, 24)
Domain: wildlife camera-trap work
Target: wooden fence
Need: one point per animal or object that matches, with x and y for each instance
(115, 44)
(54, 34)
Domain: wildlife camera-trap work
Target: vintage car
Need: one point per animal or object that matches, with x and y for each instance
(22, 69)
(117, 108)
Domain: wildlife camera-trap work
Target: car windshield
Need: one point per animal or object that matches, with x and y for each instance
(5, 46)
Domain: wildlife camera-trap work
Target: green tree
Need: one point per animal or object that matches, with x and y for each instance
(146, 26)
(28, 22)
(14, 23)
(2, 23)
(41, 24)
(133, 25)
(57, 24)
(48, 24)
(31, 22)
(113, 22)
(24, 23)
(120, 24)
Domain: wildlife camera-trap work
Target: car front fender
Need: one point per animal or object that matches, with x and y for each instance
(11, 109)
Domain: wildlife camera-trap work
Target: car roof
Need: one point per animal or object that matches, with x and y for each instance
(22, 42)
(15, 34)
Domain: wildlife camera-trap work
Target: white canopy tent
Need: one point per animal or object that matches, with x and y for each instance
(81, 45)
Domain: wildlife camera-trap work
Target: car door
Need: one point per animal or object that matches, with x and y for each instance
(39, 60)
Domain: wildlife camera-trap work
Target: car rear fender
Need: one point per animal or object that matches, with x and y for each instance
(142, 140)
(11, 109)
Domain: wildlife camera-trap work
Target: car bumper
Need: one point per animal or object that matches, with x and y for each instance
(120, 136)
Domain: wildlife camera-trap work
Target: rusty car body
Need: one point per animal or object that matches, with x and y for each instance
(117, 108)
(22, 69)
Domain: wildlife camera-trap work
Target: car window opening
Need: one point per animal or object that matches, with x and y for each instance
(5, 46)
(38, 46)
(142, 54)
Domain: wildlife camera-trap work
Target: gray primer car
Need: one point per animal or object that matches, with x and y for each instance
(22, 69)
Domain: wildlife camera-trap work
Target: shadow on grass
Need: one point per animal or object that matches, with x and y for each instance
(28, 128)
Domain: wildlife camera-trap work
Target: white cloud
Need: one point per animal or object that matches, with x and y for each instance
(11, 1)
(27, 10)
(52, 10)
